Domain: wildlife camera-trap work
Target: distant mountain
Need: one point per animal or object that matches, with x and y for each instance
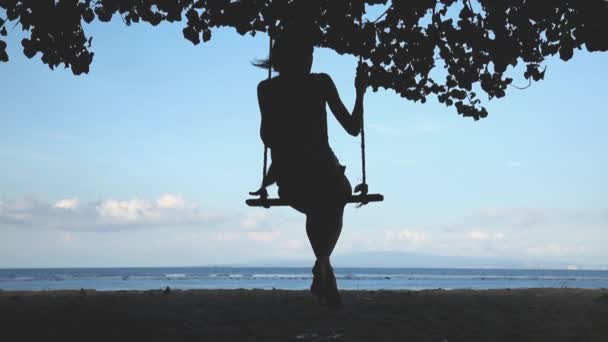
(416, 260)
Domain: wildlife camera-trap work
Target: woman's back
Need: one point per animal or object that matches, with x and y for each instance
(294, 126)
(295, 113)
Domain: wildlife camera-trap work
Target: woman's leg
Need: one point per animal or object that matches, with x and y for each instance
(323, 227)
(316, 242)
(335, 223)
(336, 214)
(324, 217)
(314, 232)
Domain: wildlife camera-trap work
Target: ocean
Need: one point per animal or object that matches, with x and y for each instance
(110, 279)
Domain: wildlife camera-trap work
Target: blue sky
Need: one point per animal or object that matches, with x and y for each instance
(147, 160)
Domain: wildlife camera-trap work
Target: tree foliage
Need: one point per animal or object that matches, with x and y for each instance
(449, 48)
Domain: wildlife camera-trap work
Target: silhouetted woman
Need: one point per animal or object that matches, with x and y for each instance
(294, 127)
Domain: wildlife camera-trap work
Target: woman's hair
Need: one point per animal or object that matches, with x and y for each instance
(291, 47)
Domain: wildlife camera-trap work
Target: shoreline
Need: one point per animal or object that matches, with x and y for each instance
(506, 290)
(547, 314)
(295, 279)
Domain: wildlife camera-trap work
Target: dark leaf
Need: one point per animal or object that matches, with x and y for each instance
(566, 52)
(103, 14)
(191, 35)
(28, 48)
(88, 15)
(192, 17)
(3, 54)
(206, 35)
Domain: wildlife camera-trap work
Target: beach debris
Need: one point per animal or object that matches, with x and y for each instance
(317, 336)
(602, 298)
(167, 290)
(188, 325)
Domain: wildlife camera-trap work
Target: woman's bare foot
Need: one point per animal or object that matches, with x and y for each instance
(325, 286)
(333, 300)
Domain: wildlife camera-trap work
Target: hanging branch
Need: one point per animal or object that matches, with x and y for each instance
(402, 45)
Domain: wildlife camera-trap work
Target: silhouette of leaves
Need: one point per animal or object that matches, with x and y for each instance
(474, 42)
(3, 54)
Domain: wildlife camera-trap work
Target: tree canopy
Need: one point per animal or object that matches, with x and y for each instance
(450, 48)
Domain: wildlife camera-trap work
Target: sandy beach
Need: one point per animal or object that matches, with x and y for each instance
(568, 315)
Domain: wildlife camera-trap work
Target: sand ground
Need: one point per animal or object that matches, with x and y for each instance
(569, 315)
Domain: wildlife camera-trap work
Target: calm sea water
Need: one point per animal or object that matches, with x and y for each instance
(105, 279)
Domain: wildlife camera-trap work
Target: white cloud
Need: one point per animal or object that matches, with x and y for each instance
(224, 236)
(22, 210)
(169, 201)
(478, 235)
(68, 203)
(264, 236)
(483, 236)
(513, 217)
(131, 210)
(405, 235)
(253, 219)
(293, 244)
(167, 210)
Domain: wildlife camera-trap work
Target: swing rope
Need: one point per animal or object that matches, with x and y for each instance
(362, 188)
(364, 182)
(265, 169)
(363, 142)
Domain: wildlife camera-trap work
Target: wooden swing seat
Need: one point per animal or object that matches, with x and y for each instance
(278, 202)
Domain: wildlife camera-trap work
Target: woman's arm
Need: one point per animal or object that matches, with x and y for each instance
(265, 134)
(263, 102)
(350, 122)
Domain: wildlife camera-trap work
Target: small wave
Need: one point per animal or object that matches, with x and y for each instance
(293, 278)
(175, 276)
(281, 276)
(219, 275)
